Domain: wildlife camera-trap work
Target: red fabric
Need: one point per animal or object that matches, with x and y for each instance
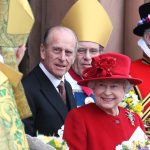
(89, 128)
(76, 77)
(109, 66)
(142, 71)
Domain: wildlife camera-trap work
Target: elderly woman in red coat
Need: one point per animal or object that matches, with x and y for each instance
(103, 125)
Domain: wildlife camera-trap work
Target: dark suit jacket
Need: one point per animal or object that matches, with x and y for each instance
(48, 109)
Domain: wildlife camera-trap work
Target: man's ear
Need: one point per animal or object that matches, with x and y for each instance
(74, 58)
(42, 52)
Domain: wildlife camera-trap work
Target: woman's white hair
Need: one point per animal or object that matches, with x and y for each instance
(127, 85)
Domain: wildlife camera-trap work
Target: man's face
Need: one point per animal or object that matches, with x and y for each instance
(59, 54)
(85, 52)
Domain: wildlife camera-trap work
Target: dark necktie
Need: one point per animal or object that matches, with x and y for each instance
(62, 91)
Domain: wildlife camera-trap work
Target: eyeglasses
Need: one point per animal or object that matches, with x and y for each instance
(92, 51)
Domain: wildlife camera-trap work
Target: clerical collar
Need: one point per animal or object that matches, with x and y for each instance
(51, 77)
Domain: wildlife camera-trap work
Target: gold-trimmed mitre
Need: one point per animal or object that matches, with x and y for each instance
(16, 20)
(89, 20)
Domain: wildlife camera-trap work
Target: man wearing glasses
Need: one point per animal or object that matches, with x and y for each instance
(93, 34)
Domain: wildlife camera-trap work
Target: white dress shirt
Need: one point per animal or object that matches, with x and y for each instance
(51, 77)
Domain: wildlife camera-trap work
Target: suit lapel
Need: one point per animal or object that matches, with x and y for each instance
(51, 94)
(70, 98)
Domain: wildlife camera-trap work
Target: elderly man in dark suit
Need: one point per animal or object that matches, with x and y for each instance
(41, 85)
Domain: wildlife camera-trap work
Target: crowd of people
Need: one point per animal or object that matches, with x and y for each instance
(77, 84)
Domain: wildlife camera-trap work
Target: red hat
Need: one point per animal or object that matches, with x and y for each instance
(109, 66)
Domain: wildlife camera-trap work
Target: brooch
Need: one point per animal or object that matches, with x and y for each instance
(130, 116)
(88, 100)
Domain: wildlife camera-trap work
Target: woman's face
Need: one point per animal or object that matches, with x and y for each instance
(109, 93)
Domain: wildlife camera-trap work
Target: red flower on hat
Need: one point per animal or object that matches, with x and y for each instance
(101, 67)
